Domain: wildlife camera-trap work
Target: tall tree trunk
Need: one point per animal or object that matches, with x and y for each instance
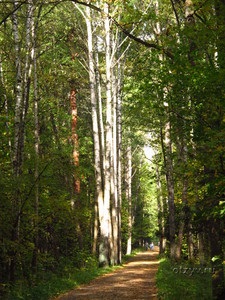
(99, 100)
(161, 213)
(74, 117)
(190, 241)
(37, 151)
(28, 61)
(22, 85)
(184, 215)
(5, 106)
(108, 179)
(17, 159)
(102, 211)
(114, 184)
(76, 179)
(98, 91)
(95, 229)
(116, 78)
(128, 180)
(167, 154)
(109, 207)
(119, 170)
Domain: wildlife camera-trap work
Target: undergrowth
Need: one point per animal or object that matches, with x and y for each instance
(47, 285)
(53, 284)
(183, 281)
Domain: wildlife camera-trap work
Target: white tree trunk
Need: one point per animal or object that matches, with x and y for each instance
(6, 106)
(119, 170)
(22, 84)
(128, 182)
(102, 209)
(161, 212)
(170, 187)
(114, 162)
(100, 108)
(17, 159)
(108, 131)
(37, 147)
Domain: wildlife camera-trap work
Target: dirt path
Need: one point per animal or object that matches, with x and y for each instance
(135, 281)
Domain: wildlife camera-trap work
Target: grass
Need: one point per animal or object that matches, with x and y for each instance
(52, 284)
(183, 281)
(49, 284)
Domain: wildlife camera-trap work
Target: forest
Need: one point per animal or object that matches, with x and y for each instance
(111, 134)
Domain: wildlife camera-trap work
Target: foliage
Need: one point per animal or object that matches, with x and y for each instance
(50, 284)
(145, 210)
(63, 279)
(175, 79)
(183, 281)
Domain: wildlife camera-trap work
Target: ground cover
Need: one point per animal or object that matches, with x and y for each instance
(183, 281)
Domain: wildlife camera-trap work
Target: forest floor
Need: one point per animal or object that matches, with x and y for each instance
(134, 281)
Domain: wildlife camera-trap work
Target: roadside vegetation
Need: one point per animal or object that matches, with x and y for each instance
(183, 281)
(49, 284)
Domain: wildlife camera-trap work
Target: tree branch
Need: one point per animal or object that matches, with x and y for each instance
(175, 12)
(126, 32)
(140, 41)
(94, 7)
(12, 12)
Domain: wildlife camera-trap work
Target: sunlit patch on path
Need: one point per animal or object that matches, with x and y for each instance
(135, 281)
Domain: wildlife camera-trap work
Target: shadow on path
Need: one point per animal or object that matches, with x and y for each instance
(134, 281)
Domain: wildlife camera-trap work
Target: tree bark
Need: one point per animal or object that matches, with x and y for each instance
(99, 182)
(22, 89)
(128, 181)
(184, 215)
(5, 106)
(37, 151)
(161, 213)
(167, 154)
(108, 179)
(74, 137)
(119, 167)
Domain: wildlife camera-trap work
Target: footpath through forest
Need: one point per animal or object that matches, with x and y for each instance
(134, 281)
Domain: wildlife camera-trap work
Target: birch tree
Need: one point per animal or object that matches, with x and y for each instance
(128, 191)
(22, 93)
(36, 144)
(106, 133)
(98, 155)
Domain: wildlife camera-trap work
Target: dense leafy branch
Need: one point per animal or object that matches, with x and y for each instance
(94, 7)
(12, 12)
(29, 193)
(127, 33)
(140, 41)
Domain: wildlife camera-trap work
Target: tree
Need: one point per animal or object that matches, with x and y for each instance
(183, 76)
(106, 133)
(152, 69)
